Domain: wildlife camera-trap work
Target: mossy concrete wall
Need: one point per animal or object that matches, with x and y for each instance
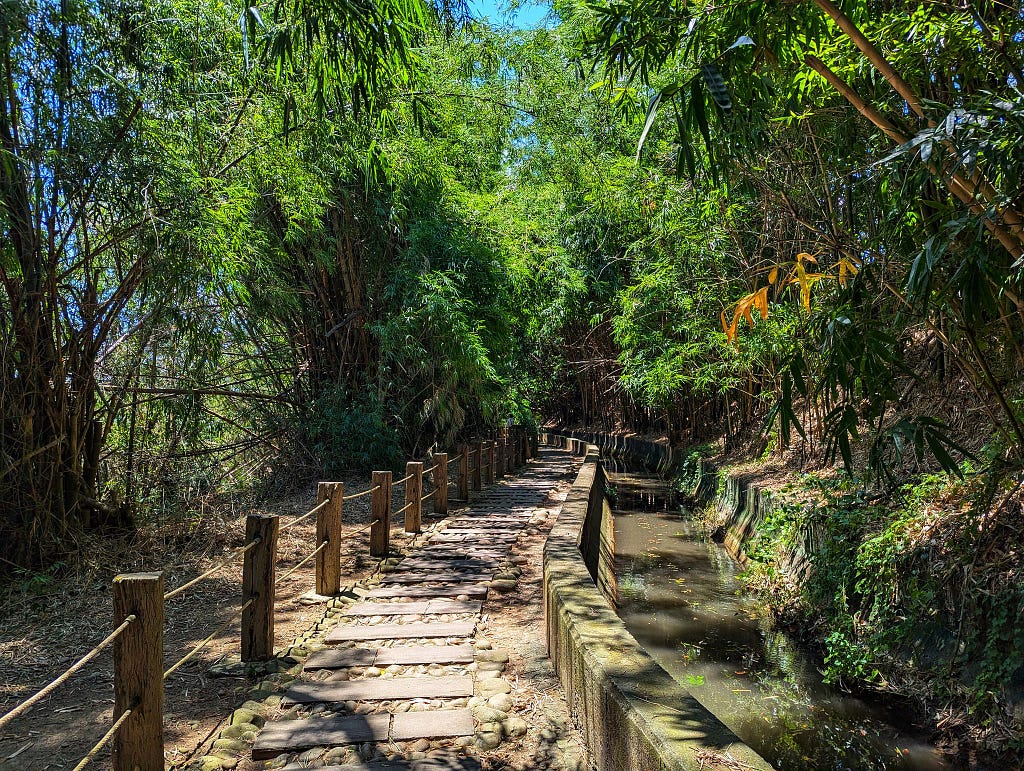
(633, 715)
(653, 455)
(743, 504)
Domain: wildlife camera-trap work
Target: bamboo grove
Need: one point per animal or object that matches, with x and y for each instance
(315, 237)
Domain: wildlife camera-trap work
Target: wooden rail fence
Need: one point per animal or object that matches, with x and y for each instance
(136, 733)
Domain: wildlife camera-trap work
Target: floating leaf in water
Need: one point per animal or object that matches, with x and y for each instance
(695, 679)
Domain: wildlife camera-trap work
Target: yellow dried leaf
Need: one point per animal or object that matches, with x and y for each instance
(761, 301)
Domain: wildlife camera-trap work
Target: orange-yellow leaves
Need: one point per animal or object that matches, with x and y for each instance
(848, 266)
(757, 300)
(800, 276)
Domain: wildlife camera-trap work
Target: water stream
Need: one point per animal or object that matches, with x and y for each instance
(679, 595)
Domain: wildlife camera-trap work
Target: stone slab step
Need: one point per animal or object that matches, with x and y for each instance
(430, 562)
(425, 654)
(412, 608)
(425, 764)
(449, 590)
(355, 632)
(457, 552)
(378, 689)
(297, 735)
(329, 658)
(434, 578)
(432, 724)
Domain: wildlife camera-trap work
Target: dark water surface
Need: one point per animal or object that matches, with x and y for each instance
(680, 597)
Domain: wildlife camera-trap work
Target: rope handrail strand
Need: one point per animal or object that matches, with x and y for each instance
(105, 740)
(305, 559)
(403, 479)
(428, 470)
(360, 495)
(218, 567)
(428, 495)
(30, 702)
(308, 514)
(363, 528)
(178, 664)
(404, 508)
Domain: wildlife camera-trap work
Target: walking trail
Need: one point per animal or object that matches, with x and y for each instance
(439, 664)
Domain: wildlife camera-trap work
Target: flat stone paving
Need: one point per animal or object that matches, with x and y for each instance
(351, 632)
(440, 590)
(345, 658)
(376, 689)
(413, 608)
(455, 563)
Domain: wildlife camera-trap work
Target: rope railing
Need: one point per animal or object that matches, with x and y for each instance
(98, 747)
(192, 653)
(360, 495)
(305, 559)
(139, 597)
(305, 516)
(212, 571)
(30, 702)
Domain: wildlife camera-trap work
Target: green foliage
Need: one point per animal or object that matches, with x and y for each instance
(347, 431)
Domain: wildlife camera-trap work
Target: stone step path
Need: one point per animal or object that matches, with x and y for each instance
(402, 664)
(447, 590)
(382, 657)
(410, 608)
(352, 632)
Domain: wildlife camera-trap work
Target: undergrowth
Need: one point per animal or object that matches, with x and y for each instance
(918, 594)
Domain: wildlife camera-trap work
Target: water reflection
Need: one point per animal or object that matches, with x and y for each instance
(680, 597)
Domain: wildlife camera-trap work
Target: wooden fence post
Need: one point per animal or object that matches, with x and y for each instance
(139, 672)
(440, 483)
(259, 568)
(380, 513)
(492, 461)
(475, 477)
(528, 443)
(462, 481)
(328, 528)
(413, 495)
(499, 456)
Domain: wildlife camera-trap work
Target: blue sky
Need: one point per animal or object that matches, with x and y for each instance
(530, 15)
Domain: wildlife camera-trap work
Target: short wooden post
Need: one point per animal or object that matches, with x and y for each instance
(380, 512)
(328, 528)
(413, 496)
(492, 461)
(528, 444)
(476, 467)
(462, 480)
(259, 568)
(440, 483)
(522, 446)
(139, 672)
